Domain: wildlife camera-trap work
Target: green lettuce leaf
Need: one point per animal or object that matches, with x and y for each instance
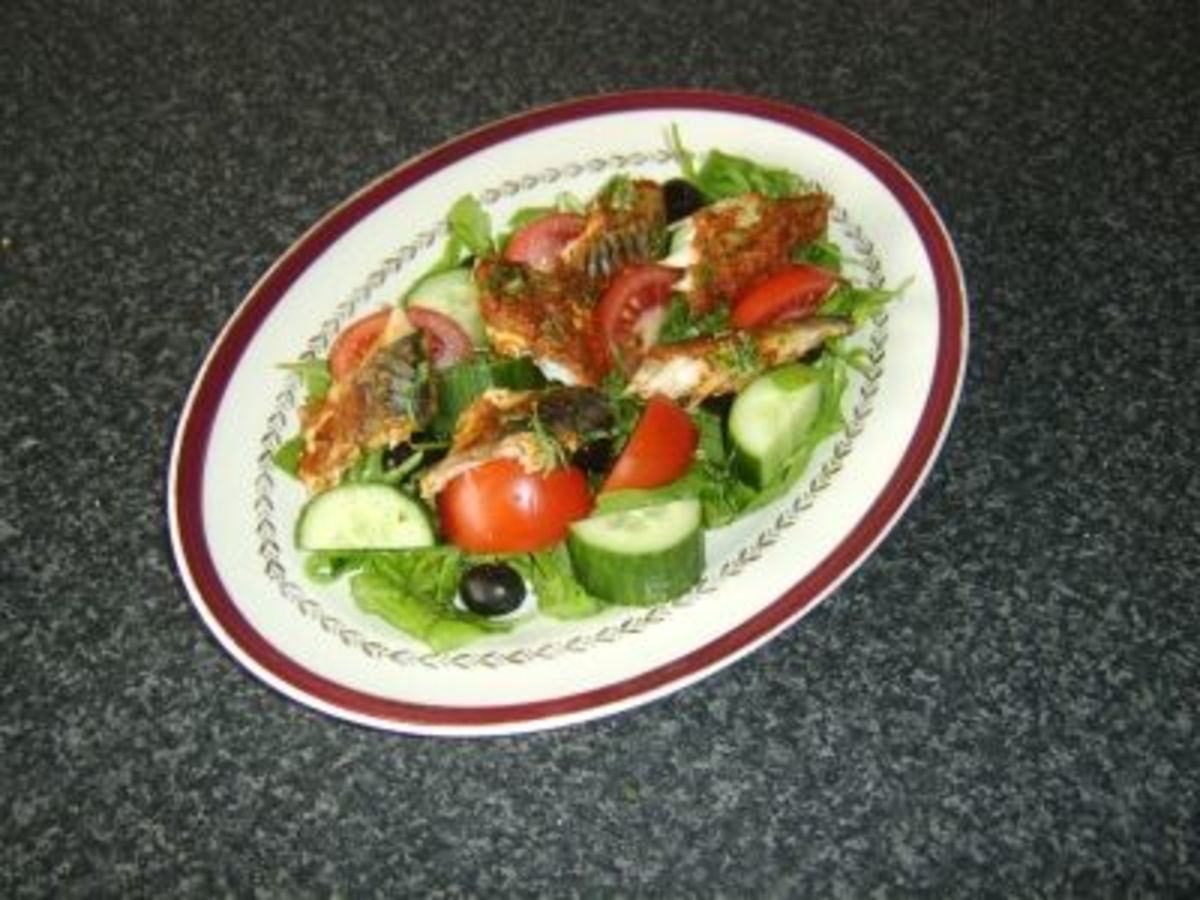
(471, 225)
(824, 253)
(685, 157)
(314, 375)
(287, 456)
(565, 201)
(327, 566)
(414, 591)
(724, 175)
(559, 595)
(860, 303)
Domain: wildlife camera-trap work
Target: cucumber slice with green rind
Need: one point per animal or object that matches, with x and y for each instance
(363, 517)
(640, 556)
(770, 420)
(452, 293)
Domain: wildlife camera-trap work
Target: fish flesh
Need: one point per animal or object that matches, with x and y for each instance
(380, 404)
(540, 429)
(537, 428)
(625, 224)
(546, 312)
(543, 315)
(745, 239)
(690, 371)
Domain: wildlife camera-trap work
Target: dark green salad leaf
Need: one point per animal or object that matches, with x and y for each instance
(626, 409)
(723, 175)
(470, 233)
(824, 253)
(372, 467)
(414, 590)
(327, 566)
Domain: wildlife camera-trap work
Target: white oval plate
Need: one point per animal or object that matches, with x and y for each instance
(231, 514)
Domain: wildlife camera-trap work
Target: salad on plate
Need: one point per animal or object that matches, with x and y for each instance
(549, 420)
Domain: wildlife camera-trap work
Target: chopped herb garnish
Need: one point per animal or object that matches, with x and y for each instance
(681, 324)
(739, 353)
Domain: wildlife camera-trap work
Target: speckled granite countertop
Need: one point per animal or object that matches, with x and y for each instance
(1001, 702)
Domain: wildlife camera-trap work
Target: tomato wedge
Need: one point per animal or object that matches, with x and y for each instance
(498, 507)
(539, 243)
(659, 450)
(354, 342)
(630, 313)
(793, 293)
(448, 342)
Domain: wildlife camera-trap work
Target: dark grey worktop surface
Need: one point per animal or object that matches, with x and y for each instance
(1001, 702)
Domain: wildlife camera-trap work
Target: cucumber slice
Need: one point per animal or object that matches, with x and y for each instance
(459, 385)
(770, 419)
(452, 293)
(639, 556)
(363, 517)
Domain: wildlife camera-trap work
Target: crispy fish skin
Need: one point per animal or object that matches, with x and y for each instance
(543, 315)
(533, 427)
(547, 313)
(747, 238)
(690, 371)
(626, 224)
(523, 447)
(380, 404)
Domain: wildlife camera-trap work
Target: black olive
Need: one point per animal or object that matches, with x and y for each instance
(594, 456)
(492, 589)
(681, 198)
